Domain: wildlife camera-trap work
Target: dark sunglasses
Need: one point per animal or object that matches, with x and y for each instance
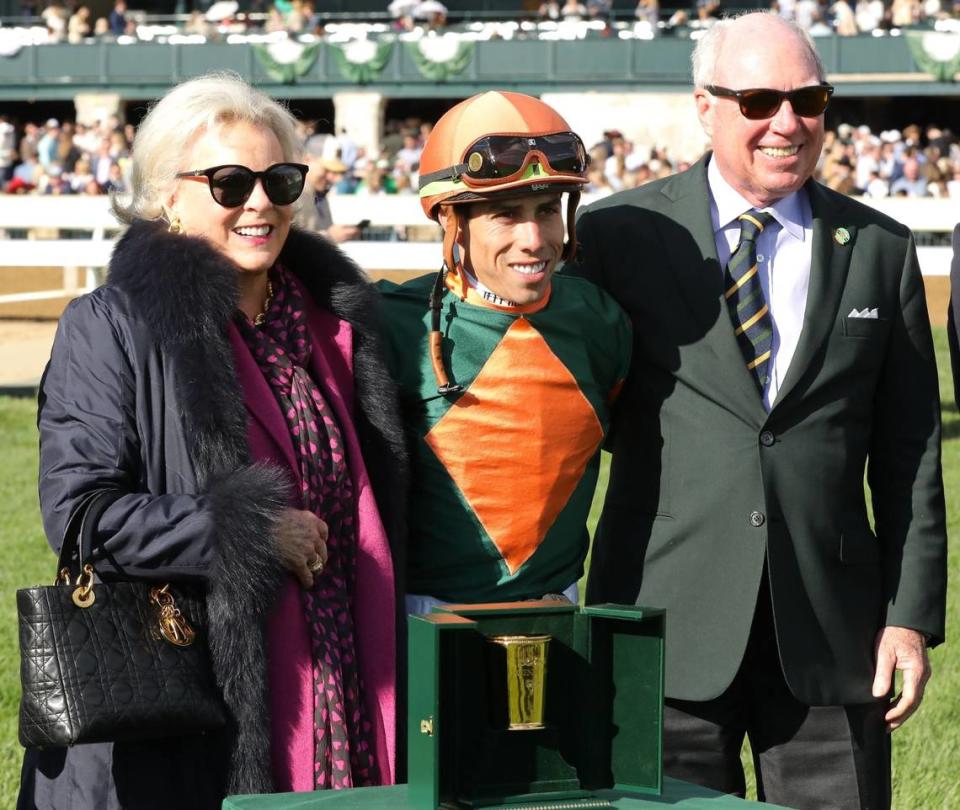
(499, 158)
(231, 185)
(759, 103)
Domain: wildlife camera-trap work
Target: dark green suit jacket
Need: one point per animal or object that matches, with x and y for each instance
(706, 485)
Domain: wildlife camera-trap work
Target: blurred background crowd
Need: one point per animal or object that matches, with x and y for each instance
(54, 157)
(71, 21)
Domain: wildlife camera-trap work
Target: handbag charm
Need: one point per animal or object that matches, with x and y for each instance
(174, 626)
(171, 623)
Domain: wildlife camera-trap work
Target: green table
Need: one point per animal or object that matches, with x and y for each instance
(677, 794)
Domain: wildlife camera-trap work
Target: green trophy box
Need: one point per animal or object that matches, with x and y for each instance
(534, 704)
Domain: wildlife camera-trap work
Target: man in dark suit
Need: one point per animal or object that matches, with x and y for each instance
(782, 346)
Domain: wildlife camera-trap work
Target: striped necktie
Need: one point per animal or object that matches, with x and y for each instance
(748, 308)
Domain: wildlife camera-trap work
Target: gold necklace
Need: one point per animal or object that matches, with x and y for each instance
(262, 316)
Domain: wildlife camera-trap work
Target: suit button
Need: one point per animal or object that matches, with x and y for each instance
(767, 438)
(757, 519)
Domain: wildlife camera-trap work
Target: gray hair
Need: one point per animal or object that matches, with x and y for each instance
(707, 50)
(188, 110)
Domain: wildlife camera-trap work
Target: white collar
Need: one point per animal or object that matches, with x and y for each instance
(792, 212)
(486, 293)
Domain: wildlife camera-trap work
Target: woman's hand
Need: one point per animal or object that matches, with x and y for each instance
(302, 540)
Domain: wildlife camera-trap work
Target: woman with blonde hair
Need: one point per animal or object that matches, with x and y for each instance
(226, 386)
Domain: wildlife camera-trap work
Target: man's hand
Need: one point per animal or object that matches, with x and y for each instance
(900, 648)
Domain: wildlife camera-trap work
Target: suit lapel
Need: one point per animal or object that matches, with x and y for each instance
(696, 268)
(829, 263)
(693, 262)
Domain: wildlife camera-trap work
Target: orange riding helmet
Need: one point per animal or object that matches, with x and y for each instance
(494, 145)
(499, 144)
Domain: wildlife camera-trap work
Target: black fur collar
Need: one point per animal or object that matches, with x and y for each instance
(187, 289)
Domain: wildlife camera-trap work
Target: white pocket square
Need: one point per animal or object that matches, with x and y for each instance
(866, 312)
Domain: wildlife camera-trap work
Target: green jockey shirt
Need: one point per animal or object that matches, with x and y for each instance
(504, 472)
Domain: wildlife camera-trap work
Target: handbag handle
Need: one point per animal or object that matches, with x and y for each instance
(78, 534)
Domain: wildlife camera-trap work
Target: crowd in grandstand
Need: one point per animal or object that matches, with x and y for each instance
(71, 158)
(70, 21)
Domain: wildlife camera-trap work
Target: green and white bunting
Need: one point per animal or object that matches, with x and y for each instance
(287, 60)
(362, 60)
(936, 53)
(440, 58)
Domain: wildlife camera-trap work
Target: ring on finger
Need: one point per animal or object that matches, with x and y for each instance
(316, 567)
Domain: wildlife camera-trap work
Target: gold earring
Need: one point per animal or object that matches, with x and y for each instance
(175, 225)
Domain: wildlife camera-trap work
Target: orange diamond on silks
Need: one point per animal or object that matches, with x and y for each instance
(518, 441)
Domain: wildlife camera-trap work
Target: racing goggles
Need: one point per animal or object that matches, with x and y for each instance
(759, 103)
(231, 185)
(495, 159)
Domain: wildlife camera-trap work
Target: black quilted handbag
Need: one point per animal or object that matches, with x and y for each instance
(111, 661)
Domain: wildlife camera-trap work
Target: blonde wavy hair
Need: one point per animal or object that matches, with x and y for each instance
(174, 122)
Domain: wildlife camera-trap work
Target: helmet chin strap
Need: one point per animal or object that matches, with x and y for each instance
(450, 227)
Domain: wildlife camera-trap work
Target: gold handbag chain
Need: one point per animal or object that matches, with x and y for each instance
(171, 623)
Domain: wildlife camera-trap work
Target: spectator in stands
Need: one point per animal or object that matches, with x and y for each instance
(648, 11)
(28, 171)
(323, 175)
(876, 187)
(549, 11)
(53, 182)
(844, 22)
(49, 144)
(600, 10)
(905, 13)
(29, 143)
(911, 183)
(707, 12)
(806, 13)
(840, 178)
(615, 166)
(377, 180)
(115, 183)
(118, 18)
(869, 14)
(55, 17)
(408, 156)
(573, 11)
(67, 152)
(81, 177)
(86, 138)
(78, 29)
(597, 182)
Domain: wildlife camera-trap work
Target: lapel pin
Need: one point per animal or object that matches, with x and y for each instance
(841, 236)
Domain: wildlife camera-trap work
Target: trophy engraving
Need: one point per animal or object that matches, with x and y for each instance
(525, 676)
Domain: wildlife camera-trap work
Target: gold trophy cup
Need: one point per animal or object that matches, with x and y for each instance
(520, 665)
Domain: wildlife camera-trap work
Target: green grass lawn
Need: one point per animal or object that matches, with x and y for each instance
(926, 749)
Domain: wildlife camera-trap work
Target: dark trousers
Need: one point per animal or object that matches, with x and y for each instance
(834, 757)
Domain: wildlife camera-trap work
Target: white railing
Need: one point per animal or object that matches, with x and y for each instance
(82, 258)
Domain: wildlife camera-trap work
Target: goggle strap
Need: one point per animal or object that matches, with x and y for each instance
(450, 173)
